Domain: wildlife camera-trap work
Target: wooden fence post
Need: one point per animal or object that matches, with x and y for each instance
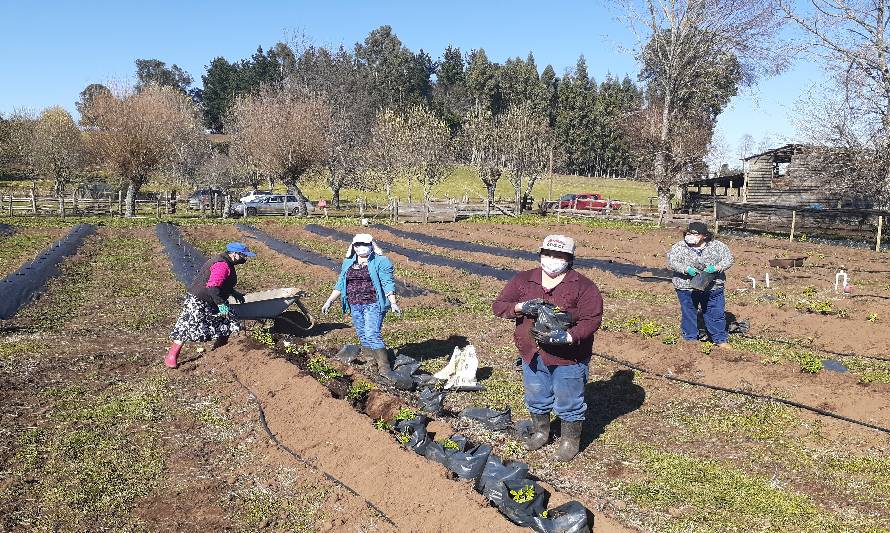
(793, 223)
(880, 227)
(158, 208)
(33, 202)
(120, 203)
(716, 222)
(11, 212)
(62, 206)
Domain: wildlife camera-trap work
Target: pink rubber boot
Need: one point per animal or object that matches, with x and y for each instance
(172, 354)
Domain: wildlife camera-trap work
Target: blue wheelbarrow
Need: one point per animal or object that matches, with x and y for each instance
(271, 305)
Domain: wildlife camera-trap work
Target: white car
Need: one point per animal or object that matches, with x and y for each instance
(274, 204)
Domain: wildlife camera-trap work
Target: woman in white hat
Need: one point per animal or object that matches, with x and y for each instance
(367, 290)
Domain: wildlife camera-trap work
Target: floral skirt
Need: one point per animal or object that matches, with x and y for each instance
(200, 322)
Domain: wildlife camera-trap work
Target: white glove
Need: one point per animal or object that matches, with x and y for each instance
(326, 307)
(396, 309)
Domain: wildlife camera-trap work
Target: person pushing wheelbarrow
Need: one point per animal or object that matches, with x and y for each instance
(205, 314)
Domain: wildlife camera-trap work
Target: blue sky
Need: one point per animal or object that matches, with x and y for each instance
(52, 49)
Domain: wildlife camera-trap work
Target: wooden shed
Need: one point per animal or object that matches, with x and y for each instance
(781, 177)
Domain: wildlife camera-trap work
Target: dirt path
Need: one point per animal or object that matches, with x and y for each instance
(414, 492)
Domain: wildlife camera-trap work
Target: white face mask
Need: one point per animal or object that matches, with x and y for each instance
(553, 266)
(362, 251)
(692, 240)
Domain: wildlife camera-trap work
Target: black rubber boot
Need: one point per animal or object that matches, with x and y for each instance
(540, 432)
(570, 441)
(381, 356)
(219, 342)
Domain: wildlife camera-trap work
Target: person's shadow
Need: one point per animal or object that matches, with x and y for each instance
(608, 400)
(433, 348)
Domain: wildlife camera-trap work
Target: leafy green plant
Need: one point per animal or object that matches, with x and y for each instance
(809, 290)
(359, 390)
(449, 444)
(263, 336)
(381, 425)
(322, 371)
(670, 339)
(872, 317)
(707, 347)
(810, 363)
(650, 329)
(523, 495)
(405, 413)
(821, 307)
(403, 438)
(302, 349)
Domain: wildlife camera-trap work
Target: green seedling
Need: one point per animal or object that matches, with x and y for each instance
(809, 290)
(544, 514)
(670, 339)
(263, 337)
(872, 317)
(650, 329)
(381, 425)
(523, 495)
(303, 349)
(322, 371)
(359, 390)
(405, 413)
(449, 444)
(403, 438)
(810, 363)
(706, 347)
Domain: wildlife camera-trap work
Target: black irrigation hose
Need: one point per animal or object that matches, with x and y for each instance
(608, 265)
(185, 259)
(824, 350)
(307, 256)
(732, 390)
(23, 285)
(299, 459)
(428, 258)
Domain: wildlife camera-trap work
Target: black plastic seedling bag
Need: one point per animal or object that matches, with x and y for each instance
(415, 431)
(348, 353)
(532, 502)
(550, 318)
(703, 281)
(469, 464)
(431, 400)
(434, 451)
(569, 517)
(399, 379)
(405, 365)
(491, 419)
(425, 380)
(491, 482)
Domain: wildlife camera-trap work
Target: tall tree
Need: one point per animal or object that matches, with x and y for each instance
(482, 81)
(695, 53)
(282, 132)
(156, 72)
(84, 104)
(450, 92)
(851, 41)
(428, 147)
(527, 144)
(58, 148)
(482, 146)
(396, 76)
(136, 130)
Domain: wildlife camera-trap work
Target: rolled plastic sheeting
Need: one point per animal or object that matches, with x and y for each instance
(308, 256)
(185, 259)
(23, 285)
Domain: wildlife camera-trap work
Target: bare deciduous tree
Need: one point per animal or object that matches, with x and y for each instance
(695, 53)
(851, 113)
(58, 148)
(527, 141)
(428, 145)
(384, 158)
(17, 144)
(283, 132)
(135, 133)
(483, 149)
(218, 172)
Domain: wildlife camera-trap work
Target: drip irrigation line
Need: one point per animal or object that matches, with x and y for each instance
(824, 350)
(295, 455)
(185, 259)
(313, 258)
(733, 390)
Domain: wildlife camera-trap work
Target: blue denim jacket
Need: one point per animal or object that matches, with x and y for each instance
(381, 270)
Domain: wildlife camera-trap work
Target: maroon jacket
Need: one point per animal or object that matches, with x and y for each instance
(575, 294)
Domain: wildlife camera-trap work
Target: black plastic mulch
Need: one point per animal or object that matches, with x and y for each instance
(6, 229)
(185, 259)
(608, 265)
(23, 285)
(312, 258)
(427, 258)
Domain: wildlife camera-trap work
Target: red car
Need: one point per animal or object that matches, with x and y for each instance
(587, 200)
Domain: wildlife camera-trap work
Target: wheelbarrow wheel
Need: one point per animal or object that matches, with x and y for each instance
(303, 320)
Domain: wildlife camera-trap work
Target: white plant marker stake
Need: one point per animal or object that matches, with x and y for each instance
(753, 282)
(766, 280)
(841, 274)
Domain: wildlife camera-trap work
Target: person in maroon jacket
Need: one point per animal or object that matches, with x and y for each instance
(554, 361)
(205, 313)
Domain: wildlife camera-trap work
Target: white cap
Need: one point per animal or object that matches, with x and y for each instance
(559, 243)
(363, 237)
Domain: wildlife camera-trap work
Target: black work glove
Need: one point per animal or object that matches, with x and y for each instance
(556, 336)
(531, 307)
(239, 297)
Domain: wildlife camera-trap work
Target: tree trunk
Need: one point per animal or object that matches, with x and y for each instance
(172, 200)
(301, 208)
(490, 189)
(335, 197)
(131, 199)
(517, 199)
(227, 206)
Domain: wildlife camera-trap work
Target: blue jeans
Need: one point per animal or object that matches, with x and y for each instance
(713, 308)
(557, 388)
(368, 322)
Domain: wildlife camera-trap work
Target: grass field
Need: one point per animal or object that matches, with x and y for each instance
(463, 181)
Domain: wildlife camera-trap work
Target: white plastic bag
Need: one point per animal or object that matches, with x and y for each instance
(460, 372)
